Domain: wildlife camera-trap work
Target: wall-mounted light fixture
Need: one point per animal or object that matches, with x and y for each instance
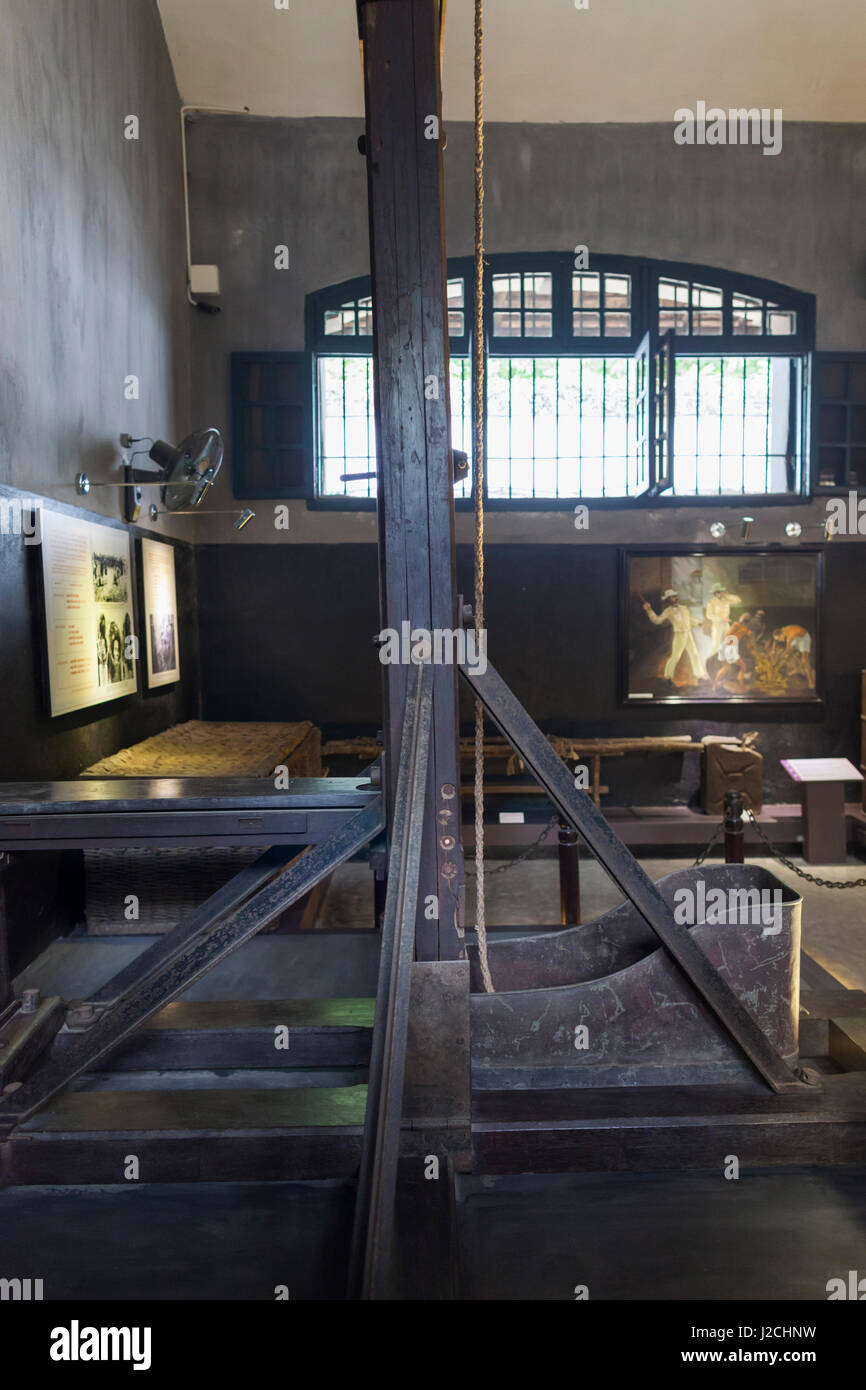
(794, 529)
(748, 523)
(717, 529)
(241, 518)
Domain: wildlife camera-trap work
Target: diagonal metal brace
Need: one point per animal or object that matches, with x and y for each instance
(211, 943)
(577, 807)
(178, 940)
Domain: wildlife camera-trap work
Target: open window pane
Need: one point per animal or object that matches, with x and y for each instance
(617, 325)
(586, 325)
(585, 290)
(523, 305)
(617, 291)
(574, 426)
(733, 424)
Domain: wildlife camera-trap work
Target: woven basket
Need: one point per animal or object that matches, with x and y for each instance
(214, 749)
(168, 884)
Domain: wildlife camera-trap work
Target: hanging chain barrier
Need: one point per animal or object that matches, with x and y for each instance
(524, 854)
(801, 873)
(704, 852)
(776, 854)
(478, 374)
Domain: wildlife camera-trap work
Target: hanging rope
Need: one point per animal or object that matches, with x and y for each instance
(478, 366)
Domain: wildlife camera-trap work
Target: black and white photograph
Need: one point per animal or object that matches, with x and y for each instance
(162, 644)
(110, 579)
(159, 590)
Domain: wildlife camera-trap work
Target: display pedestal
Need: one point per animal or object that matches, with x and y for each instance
(822, 789)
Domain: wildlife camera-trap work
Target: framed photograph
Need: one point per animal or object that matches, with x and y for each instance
(160, 613)
(725, 627)
(89, 630)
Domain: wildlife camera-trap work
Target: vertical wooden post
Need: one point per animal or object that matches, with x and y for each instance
(734, 830)
(403, 143)
(569, 875)
(5, 972)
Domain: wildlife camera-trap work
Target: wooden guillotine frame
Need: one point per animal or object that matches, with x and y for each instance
(419, 1101)
(786, 1112)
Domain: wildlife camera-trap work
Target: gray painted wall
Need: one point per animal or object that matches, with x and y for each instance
(797, 217)
(92, 287)
(92, 261)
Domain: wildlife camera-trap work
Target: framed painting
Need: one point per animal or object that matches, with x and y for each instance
(720, 627)
(90, 639)
(160, 613)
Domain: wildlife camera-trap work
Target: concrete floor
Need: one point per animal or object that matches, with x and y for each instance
(771, 1235)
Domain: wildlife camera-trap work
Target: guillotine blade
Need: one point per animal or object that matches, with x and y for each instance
(577, 807)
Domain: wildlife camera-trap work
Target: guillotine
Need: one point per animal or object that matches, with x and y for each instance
(471, 1079)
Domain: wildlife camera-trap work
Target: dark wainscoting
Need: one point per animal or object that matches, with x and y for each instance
(286, 634)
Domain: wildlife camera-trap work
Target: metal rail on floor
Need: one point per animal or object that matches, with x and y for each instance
(374, 1212)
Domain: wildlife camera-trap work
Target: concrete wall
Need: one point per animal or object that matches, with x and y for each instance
(796, 217)
(92, 288)
(92, 284)
(552, 601)
(92, 261)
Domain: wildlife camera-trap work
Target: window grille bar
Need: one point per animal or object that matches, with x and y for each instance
(581, 449)
(743, 429)
(767, 425)
(722, 403)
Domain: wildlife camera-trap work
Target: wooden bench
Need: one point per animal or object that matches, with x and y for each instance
(500, 756)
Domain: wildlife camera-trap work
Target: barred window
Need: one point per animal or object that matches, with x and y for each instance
(607, 377)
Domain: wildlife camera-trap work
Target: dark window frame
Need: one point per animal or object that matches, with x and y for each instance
(239, 362)
(821, 359)
(645, 275)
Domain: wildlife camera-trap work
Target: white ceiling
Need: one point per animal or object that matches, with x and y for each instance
(618, 60)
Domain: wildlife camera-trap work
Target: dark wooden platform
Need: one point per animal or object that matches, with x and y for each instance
(641, 1129)
(208, 1135)
(311, 1131)
(197, 1034)
(175, 812)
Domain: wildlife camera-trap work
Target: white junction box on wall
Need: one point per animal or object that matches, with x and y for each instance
(204, 279)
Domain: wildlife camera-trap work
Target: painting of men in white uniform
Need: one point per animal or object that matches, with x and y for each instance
(718, 614)
(720, 626)
(682, 639)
